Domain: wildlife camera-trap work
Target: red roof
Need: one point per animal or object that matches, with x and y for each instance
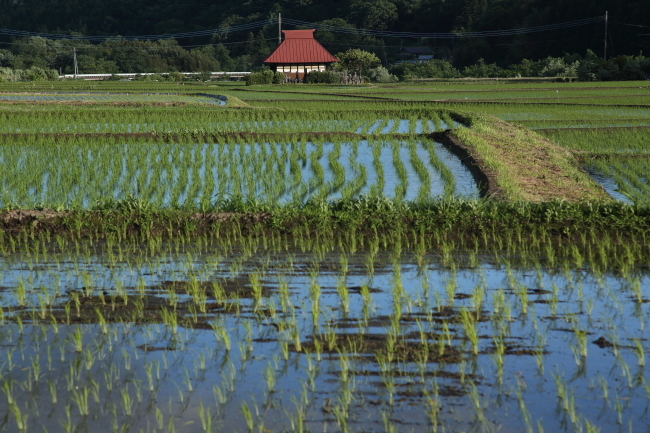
(299, 46)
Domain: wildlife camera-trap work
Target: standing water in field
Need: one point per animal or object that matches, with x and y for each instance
(214, 338)
(169, 175)
(609, 185)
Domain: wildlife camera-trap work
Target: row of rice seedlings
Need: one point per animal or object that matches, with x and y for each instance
(445, 337)
(336, 168)
(422, 172)
(171, 175)
(542, 113)
(629, 174)
(584, 123)
(377, 188)
(595, 88)
(400, 168)
(205, 120)
(526, 232)
(447, 176)
(98, 98)
(405, 126)
(598, 100)
(606, 141)
(356, 184)
(318, 179)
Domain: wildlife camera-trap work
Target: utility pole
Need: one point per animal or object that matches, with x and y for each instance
(76, 67)
(279, 28)
(605, 50)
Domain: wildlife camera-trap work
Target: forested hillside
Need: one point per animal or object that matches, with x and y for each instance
(245, 49)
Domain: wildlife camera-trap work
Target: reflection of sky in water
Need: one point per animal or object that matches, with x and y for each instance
(609, 185)
(133, 169)
(393, 126)
(185, 368)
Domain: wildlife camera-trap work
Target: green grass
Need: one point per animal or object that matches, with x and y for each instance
(520, 165)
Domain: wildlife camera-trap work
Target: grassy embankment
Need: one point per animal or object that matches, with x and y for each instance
(521, 165)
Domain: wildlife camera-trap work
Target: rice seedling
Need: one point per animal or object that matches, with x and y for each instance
(269, 230)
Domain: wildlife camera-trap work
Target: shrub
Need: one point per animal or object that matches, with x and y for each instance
(176, 76)
(557, 67)
(39, 74)
(381, 75)
(436, 68)
(484, 70)
(357, 60)
(264, 77)
(322, 77)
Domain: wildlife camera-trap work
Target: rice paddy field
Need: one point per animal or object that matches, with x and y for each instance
(425, 256)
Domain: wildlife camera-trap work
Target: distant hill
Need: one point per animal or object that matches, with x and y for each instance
(137, 17)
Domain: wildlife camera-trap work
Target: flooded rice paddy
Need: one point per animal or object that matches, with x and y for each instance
(281, 333)
(114, 97)
(376, 127)
(169, 337)
(625, 179)
(170, 175)
(609, 185)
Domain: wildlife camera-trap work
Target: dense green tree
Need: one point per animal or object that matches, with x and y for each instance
(373, 14)
(138, 17)
(357, 60)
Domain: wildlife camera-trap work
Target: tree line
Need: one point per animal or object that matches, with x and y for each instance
(245, 50)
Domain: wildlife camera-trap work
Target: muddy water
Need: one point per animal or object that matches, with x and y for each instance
(111, 340)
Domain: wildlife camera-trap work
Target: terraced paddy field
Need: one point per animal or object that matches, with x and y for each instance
(111, 97)
(427, 256)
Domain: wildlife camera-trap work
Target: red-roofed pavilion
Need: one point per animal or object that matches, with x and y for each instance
(298, 54)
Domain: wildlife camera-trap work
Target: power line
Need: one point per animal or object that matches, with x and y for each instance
(211, 32)
(490, 33)
(336, 29)
(113, 48)
(538, 42)
(630, 25)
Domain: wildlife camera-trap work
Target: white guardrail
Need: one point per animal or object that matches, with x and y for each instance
(231, 75)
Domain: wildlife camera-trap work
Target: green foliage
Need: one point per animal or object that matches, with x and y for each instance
(628, 174)
(39, 74)
(322, 77)
(264, 77)
(436, 68)
(357, 60)
(374, 14)
(176, 76)
(482, 70)
(246, 49)
(587, 68)
(381, 75)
